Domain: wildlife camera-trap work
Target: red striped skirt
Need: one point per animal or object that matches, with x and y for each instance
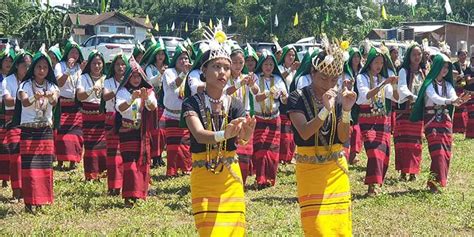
(114, 159)
(287, 143)
(440, 139)
(470, 122)
(177, 148)
(158, 137)
(245, 154)
(13, 136)
(375, 133)
(460, 116)
(4, 156)
(266, 142)
(356, 140)
(37, 152)
(136, 173)
(95, 151)
(408, 143)
(69, 140)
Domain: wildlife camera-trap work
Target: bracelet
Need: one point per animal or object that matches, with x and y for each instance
(219, 136)
(323, 114)
(238, 84)
(129, 103)
(31, 99)
(346, 116)
(148, 102)
(243, 142)
(182, 75)
(51, 99)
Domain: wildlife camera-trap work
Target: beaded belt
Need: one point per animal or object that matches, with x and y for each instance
(173, 111)
(63, 99)
(129, 124)
(437, 111)
(205, 163)
(89, 111)
(375, 114)
(267, 116)
(318, 159)
(36, 125)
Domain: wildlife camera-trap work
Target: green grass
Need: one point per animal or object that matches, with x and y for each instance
(403, 209)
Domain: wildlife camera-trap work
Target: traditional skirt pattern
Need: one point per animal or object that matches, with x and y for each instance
(4, 156)
(324, 195)
(114, 158)
(266, 142)
(355, 140)
(13, 136)
(375, 132)
(177, 148)
(136, 173)
(157, 142)
(287, 143)
(460, 116)
(245, 155)
(218, 202)
(37, 152)
(95, 152)
(408, 143)
(69, 140)
(440, 139)
(470, 122)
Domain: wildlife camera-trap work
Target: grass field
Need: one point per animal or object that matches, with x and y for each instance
(404, 208)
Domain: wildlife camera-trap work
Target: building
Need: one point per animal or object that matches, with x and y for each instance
(84, 26)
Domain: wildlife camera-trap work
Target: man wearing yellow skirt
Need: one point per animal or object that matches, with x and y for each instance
(320, 114)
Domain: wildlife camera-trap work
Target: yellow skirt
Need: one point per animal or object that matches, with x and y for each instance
(218, 199)
(324, 195)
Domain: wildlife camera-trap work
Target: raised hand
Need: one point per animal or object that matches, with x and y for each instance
(71, 62)
(135, 94)
(38, 95)
(295, 66)
(143, 93)
(348, 99)
(248, 127)
(233, 128)
(83, 65)
(329, 98)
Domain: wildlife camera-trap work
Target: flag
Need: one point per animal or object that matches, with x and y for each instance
(276, 20)
(229, 22)
(210, 23)
(167, 28)
(327, 17)
(199, 24)
(384, 13)
(147, 20)
(447, 6)
(78, 22)
(102, 6)
(219, 24)
(246, 22)
(157, 27)
(296, 21)
(186, 27)
(172, 27)
(359, 14)
(412, 3)
(261, 19)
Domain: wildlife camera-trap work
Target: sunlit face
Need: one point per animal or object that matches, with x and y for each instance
(97, 65)
(394, 54)
(290, 57)
(355, 61)
(278, 55)
(217, 72)
(119, 67)
(416, 56)
(41, 69)
(462, 56)
(238, 63)
(444, 70)
(54, 60)
(160, 56)
(22, 68)
(250, 63)
(376, 65)
(322, 80)
(73, 54)
(183, 59)
(268, 66)
(6, 64)
(135, 79)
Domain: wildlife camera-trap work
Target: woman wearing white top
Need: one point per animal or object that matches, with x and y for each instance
(89, 92)
(68, 140)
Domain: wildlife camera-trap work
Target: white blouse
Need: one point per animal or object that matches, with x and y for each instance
(403, 90)
(68, 90)
(432, 98)
(243, 91)
(303, 81)
(275, 104)
(85, 84)
(290, 76)
(111, 85)
(10, 87)
(41, 110)
(171, 99)
(133, 112)
(194, 81)
(153, 76)
(363, 87)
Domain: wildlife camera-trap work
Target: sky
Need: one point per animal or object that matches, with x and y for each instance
(58, 2)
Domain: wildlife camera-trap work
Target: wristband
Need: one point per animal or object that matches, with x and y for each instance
(51, 99)
(323, 114)
(182, 75)
(219, 136)
(243, 142)
(148, 102)
(31, 99)
(346, 116)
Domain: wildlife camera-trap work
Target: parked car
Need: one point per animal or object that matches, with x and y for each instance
(302, 48)
(260, 46)
(3, 43)
(109, 45)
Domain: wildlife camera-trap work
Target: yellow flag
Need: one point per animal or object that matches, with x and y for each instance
(147, 20)
(157, 27)
(210, 23)
(384, 13)
(246, 21)
(186, 27)
(296, 21)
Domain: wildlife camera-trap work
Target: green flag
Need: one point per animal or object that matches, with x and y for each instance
(102, 6)
(327, 17)
(261, 19)
(413, 10)
(78, 22)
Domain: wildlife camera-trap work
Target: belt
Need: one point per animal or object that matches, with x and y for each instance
(268, 116)
(437, 111)
(89, 111)
(173, 111)
(130, 124)
(205, 163)
(374, 114)
(36, 125)
(63, 99)
(318, 159)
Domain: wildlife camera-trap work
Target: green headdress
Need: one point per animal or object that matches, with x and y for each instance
(7, 52)
(153, 51)
(305, 67)
(56, 51)
(267, 54)
(180, 49)
(348, 65)
(374, 53)
(250, 52)
(92, 55)
(71, 44)
(111, 72)
(138, 49)
(19, 57)
(286, 49)
(438, 64)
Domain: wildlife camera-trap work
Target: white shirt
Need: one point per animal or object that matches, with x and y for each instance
(171, 99)
(30, 114)
(403, 90)
(275, 104)
(85, 84)
(10, 87)
(194, 81)
(290, 76)
(432, 98)
(111, 85)
(133, 112)
(68, 90)
(2, 87)
(303, 81)
(153, 75)
(341, 80)
(363, 87)
(239, 94)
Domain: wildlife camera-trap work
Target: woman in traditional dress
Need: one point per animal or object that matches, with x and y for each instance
(114, 159)
(37, 96)
(55, 55)
(242, 86)
(177, 138)
(321, 116)
(302, 76)
(266, 140)
(89, 92)
(251, 58)
(375, 93)
(10, 88)
(460, 67)
(69, 140)
(408, 135)
(435, 106)
(155, 67)
(135, 102)
(216, 121)
(469, 88)
(138, 52)
(288, 65)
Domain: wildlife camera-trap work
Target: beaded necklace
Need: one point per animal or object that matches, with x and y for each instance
(213, 164)
(263, 86)
(378, 103)
(324, 130)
